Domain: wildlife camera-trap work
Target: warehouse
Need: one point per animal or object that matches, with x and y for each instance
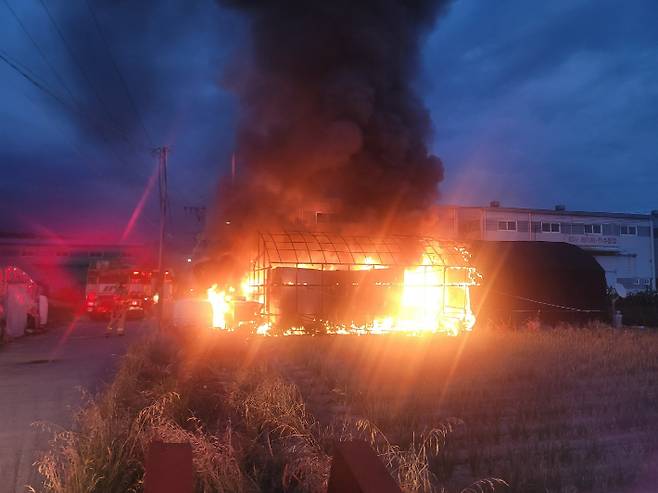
(623, 244)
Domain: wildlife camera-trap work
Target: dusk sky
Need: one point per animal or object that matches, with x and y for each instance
(533, 103)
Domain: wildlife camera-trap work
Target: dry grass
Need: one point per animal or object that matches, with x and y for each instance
(565, 410)
(106, 452)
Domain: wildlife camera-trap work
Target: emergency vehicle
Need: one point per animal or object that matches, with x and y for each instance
(103, 289)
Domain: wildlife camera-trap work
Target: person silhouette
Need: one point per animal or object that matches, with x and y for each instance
(118, 313)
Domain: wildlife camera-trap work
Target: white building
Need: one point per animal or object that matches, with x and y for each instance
(624, 244)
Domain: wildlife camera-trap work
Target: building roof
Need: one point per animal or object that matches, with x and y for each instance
(615, 215)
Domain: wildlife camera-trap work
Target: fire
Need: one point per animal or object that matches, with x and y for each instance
(420, 306)
(220, 302)
(368, 263)
(432, 296)
(246, 287)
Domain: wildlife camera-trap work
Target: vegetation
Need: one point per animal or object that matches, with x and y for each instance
(561, 410)
(639, 308)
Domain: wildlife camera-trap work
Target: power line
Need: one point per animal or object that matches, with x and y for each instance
(25, 72)
(118, 71)
(40, 51)
(78, 64)
(41, 85)
(33, 79)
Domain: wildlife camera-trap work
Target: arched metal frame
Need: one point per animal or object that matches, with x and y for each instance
(332, 251)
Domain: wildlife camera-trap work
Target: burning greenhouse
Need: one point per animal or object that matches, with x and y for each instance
(307, 282)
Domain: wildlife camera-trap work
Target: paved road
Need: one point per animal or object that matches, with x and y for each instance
(40, 380)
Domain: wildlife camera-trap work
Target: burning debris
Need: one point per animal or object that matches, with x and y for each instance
(330, 121)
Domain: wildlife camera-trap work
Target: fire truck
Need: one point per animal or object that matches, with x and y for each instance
(103, 290)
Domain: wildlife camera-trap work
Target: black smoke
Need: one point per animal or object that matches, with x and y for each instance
(329, 115)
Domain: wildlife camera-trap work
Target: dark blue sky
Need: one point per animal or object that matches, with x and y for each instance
(534, 103)
(539, 103)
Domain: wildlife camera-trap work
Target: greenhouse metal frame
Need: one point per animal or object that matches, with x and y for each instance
(336, 252)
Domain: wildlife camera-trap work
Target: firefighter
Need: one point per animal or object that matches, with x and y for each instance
(118, 314)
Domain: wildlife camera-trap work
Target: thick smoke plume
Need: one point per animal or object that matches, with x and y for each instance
(329, 116)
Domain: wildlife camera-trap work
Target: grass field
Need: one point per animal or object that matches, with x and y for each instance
(555, 410)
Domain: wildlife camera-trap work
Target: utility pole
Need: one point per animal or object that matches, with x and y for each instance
(162, 153)
(233, 167)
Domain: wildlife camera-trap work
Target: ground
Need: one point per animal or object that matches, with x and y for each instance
(544, 409)
(41, 380)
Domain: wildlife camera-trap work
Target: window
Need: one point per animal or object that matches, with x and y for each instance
(506, 225)
(628, 230)
(550, 227)
(469, 225)
(577, 229)
(592, 229)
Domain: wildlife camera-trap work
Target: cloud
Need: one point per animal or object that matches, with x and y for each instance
(170, 54)
(537, 104)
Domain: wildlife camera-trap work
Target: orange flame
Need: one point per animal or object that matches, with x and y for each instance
(220, 302)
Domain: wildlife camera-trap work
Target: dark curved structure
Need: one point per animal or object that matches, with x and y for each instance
(531, 279)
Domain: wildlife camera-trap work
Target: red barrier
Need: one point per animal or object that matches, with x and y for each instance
(169, 468)
(356, 468)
